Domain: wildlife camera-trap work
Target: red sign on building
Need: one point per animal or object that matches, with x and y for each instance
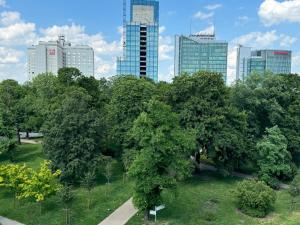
(51, 52)
(281, 53)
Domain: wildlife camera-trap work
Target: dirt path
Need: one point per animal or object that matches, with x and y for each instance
(5, 221)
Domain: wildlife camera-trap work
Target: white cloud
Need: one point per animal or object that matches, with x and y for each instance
(287, 41)
(166, 47)
(213, 6)
(10, 56)
(208, 30)
(203, 16)
(9, 18)
(242, 20)
(274, 12)
(162, 29)
(17, 34)
(2, 3)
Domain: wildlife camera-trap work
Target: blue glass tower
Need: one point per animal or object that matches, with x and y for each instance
(141, 51)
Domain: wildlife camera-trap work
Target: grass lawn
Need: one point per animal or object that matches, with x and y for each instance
(106, 198)
(211, 190)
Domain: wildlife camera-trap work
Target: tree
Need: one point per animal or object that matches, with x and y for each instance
(7, 142)
(162, 157)
(88, 182)
(14, 177)
(128, 98)
(275, 161)
(10, 94)
(66, 197)
(41, 185)
(108, 163)
(202, 102)
(255, 198)
(68, 76)
(72, 136)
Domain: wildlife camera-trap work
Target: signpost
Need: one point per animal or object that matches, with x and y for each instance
(157, 208)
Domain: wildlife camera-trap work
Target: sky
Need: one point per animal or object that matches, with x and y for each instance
(261, 24)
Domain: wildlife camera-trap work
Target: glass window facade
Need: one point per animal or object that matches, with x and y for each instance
(141, 52)
(195, 54)
(260, 61)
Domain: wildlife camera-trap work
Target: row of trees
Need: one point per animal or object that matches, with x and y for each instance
(155, 127)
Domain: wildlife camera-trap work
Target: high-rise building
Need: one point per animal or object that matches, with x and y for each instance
(49, 57)
(201, 52)
(141, 50)
(261, 61)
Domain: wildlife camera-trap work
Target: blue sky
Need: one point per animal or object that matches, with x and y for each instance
(256, 23)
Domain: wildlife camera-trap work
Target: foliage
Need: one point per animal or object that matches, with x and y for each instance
(14, 177)
(41, 184)
(275, 161)
(255, 198)
(202, 101)
(88, 182)
(107, 170)
(72, 136)
(162, 158)
(128, 98)
(294, 189)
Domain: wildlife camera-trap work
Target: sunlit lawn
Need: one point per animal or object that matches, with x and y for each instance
(200, 191)
(106, 198)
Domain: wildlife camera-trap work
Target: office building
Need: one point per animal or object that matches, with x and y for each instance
(49, 57)
(201, 52)
(261, 61)
(140, 56)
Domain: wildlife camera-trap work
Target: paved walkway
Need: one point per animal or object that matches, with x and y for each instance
(5, 221)
(122, 215)
(27, 141)
(204, 166)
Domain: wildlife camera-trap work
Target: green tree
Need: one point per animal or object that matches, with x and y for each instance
(14, 177)
(66, 197)
(128, 98)
(68, 76)
(275, 161)
(72, 136)
(89, 182)
(41, 184)
(202, 102)
(162, 157)
(10, 95)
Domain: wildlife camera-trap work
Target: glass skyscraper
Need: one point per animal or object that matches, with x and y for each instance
(260, 61)
(201, 52)
(141, 51)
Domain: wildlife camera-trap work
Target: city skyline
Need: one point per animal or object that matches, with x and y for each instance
(98, 24)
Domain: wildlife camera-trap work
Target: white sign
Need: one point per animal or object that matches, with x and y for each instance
(152, 212)
(157, 208)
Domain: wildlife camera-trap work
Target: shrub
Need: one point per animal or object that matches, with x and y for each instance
(255, 198)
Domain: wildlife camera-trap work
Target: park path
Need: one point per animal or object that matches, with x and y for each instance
(5, 221)
(204, 166)
(122, 215)
(27, 141)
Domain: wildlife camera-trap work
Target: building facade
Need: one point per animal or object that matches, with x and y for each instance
(261, 61)
(141, 50)
(201, 52)
(49, 57)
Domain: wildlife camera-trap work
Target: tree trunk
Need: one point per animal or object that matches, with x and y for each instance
(27, 134)
(18, 136)
(146, 215)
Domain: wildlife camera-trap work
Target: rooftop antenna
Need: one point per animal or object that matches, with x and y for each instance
(124, 26)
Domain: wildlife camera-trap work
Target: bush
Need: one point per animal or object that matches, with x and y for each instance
(255, 198)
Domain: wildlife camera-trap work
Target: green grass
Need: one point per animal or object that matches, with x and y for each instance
(187, 208)
(105, 198)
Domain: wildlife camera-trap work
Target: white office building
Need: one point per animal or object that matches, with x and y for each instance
(49, 57)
